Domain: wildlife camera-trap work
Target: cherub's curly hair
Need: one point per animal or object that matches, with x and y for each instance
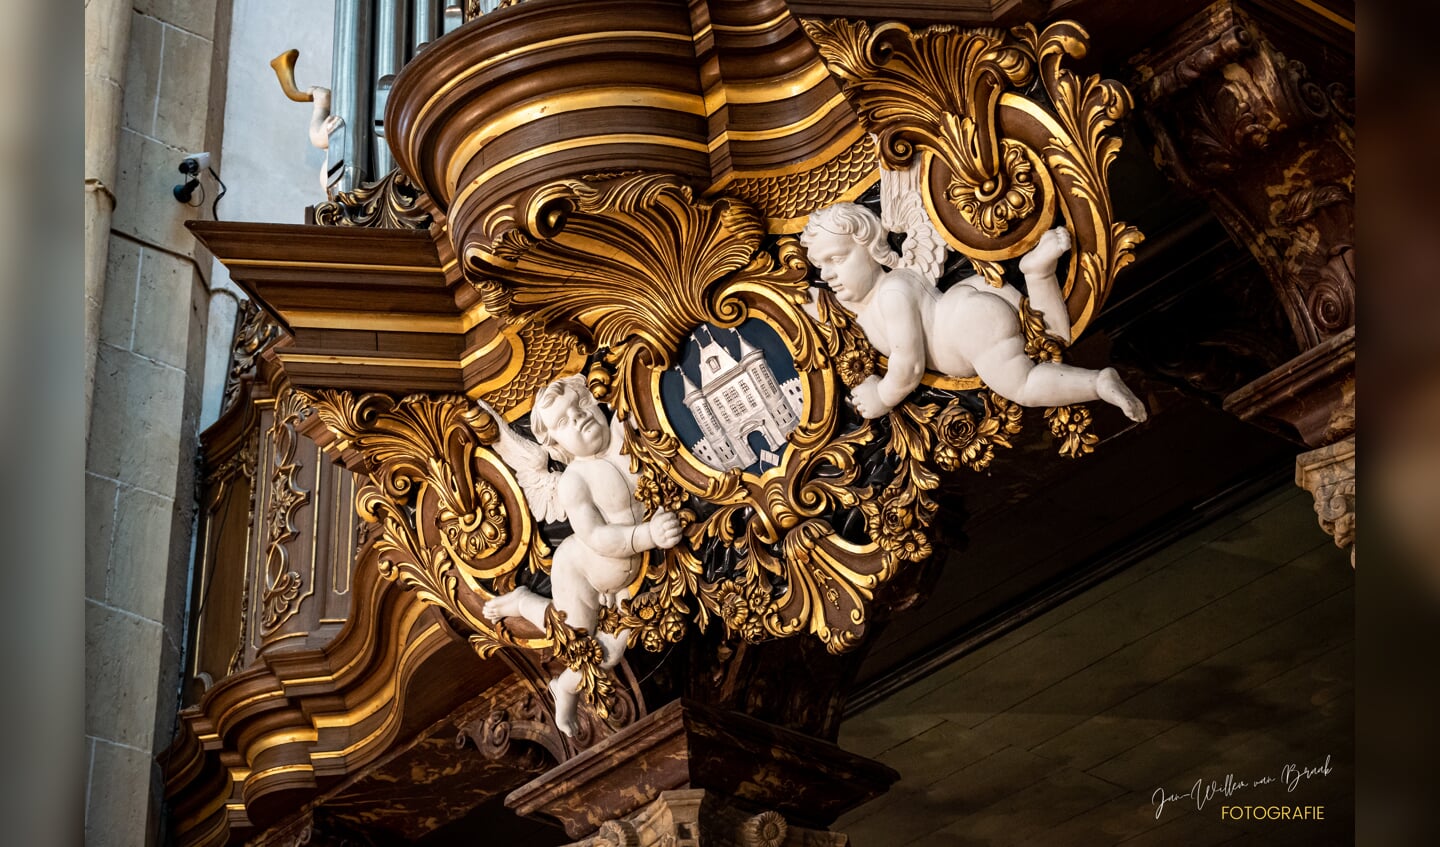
(545, 397)
(856, 221)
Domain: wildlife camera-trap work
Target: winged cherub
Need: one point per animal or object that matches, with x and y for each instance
(970, 329)
(596, 493)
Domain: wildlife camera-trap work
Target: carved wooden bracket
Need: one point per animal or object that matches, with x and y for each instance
(695, 773)
(1329, 474)
(1271, 150)
(514, 723)
(690, 817)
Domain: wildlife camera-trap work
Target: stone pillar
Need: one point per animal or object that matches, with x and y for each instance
(144, 335)
(1273, 152)
(107, 38)
(689, 774)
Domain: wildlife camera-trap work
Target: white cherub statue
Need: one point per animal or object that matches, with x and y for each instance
(325, 129)
(596, 492)
(326, 134)
(970, 329)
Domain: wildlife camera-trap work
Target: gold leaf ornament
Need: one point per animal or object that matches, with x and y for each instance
(938, 89)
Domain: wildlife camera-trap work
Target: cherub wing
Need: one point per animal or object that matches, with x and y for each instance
(902, 209)
(531, 465)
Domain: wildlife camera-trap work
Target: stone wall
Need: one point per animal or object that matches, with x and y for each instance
(159, 324)
(140, 469)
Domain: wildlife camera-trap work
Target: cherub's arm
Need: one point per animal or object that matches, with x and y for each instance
(905, 331)
(607, 539)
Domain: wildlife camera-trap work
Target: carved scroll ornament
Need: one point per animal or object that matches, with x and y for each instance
(999, 163)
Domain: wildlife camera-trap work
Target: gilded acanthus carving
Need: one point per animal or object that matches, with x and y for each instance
(255, 331)
(442, 510)
(996, 166)
(1272, 150)
(286, 496)
(629, 256)
(786, 525)
(393, 202)
(915, 90)
(1329, 475)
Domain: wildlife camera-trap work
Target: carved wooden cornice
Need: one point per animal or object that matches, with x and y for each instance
(1312, 395)
(384, 309)
(715, 93)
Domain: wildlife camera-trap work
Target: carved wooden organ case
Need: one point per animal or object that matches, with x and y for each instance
(617, 195)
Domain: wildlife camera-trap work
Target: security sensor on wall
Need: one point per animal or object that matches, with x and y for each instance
(191, 166)
(194, 162)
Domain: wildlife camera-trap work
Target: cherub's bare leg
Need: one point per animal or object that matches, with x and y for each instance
(566, 690)
(1116, 393)
(522, 602)
(614, 647)
(1041, 284)
(578, 599)
(573, 593)
(1009, 372)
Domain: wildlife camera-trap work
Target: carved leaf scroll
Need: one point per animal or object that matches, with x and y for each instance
(1001, 162)
(938, 89)
(632, 256)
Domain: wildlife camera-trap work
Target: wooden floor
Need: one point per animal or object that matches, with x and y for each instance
(1229, 653)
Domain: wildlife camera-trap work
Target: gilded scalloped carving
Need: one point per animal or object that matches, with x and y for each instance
(785, 200)
(545, 355)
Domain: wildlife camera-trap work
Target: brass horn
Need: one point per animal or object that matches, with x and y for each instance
(284, 66)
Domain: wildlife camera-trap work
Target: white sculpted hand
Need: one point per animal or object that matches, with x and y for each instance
(665, 530)
(866, 398)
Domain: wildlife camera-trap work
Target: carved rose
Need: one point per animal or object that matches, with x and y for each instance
(645, 608)
(733, 607)
(959, 440)
(646, 491)
(647, 611)
(895, 519)
(1071, 424)
(584, 652)
(658, 493)
(892, 524)
(855, 364)
(672, 626)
